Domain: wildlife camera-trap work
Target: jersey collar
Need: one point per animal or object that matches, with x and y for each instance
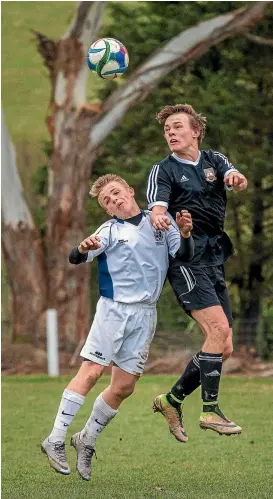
(186, 161)
(121, 221)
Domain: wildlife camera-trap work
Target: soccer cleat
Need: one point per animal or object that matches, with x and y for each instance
(84, 456)
(173, 416)
(216, 421)
(55, 452)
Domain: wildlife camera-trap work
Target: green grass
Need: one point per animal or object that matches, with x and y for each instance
(137, 457)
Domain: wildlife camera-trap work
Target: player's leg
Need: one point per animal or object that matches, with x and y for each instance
(134, 330)
(104, 410)
(114, 324)
(190, 379)
(214, 322)
(72, 399)
(73, 396)
(193, 288)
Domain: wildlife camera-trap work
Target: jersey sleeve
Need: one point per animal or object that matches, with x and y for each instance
(224, 166)
(104, 232)
(159, 187)
(179, 246)
(173, 237)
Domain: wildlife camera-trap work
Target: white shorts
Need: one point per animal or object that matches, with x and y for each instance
(121, 333)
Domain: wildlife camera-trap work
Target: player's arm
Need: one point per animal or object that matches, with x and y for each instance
(232, 178)
(158, 195)
(90, 247)
(237, 181)
(184, 223)
(180, 241)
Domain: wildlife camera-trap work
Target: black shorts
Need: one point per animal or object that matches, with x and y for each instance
(200, 287)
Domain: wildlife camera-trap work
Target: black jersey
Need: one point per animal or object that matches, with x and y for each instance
(199, 188)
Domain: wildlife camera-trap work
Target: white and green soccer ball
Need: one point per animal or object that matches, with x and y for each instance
(108, 58)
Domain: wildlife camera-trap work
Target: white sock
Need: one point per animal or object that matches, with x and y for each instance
(68, 408)
(100, 416)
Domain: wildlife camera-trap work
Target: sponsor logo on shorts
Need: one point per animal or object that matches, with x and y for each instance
(98, 355)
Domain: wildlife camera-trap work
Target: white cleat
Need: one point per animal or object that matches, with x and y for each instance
(55, 452)
(84, 456)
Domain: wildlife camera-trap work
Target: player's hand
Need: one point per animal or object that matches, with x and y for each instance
(160, 221)
(237, 181)
(90, 243)
(184, 222)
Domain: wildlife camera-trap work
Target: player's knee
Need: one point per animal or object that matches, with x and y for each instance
(219, 331)
(223, 330)
(123, 391)
(91, 372)
(228, 351)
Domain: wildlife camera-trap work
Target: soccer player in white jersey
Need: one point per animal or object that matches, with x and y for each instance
(133, 260)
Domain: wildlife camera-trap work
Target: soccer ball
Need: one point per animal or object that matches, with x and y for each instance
(108, 58)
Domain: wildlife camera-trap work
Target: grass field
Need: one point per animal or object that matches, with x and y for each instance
(137, 457)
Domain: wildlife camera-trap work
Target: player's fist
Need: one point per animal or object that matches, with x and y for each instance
(184, 222)
(160, 221)
(90, 243)
(237, 181)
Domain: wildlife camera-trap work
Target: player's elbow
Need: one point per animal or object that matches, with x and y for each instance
(188, 250)
(75, 257)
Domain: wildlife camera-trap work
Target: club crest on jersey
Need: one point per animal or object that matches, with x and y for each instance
(159, 236)
(210, 174)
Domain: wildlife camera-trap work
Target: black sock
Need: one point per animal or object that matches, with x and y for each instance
(186, 384)
(210, 371)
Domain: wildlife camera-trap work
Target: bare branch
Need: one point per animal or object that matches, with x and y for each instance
(86, 22)
(190, 44)
(76, 27)
(259, 39)
(47, 48)
(83, 29)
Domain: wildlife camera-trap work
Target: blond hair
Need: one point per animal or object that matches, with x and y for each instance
(102, 181)
(198, 122)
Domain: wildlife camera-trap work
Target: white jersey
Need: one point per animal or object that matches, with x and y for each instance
(133, 260)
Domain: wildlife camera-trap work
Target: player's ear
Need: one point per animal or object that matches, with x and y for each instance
(196, 133)
(132, 191)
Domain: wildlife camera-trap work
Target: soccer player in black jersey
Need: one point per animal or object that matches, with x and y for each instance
(197, 180)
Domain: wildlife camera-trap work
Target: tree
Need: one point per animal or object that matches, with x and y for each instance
(77, 132)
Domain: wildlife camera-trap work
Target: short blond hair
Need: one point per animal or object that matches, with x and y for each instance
(198, 122)
(102, 181)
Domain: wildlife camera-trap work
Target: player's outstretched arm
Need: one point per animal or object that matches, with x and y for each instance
(79, 254)
(237, 181)
(184, 222)
(90, 243)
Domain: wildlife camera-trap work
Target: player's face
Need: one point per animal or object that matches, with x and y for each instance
(179, 133)
(118, 199)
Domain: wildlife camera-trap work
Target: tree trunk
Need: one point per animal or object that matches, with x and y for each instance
(23, 252)
(70, 171)
(69, 176)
